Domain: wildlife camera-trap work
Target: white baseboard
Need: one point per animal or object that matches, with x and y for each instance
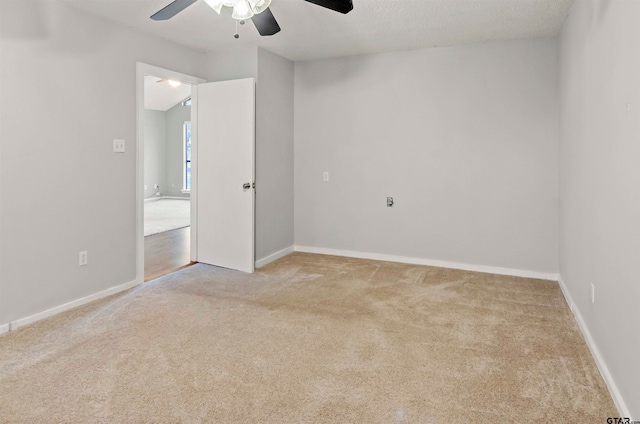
(14, 325)
(595, 352)
(430, 262)
(4, 329)
(284, 252)
(156, 198)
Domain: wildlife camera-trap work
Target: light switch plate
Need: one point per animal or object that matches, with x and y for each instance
(83, 258)
(118, 146)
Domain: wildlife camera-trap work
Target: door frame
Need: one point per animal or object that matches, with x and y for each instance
(141, 70)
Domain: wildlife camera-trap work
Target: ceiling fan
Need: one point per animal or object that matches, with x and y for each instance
(256, 10)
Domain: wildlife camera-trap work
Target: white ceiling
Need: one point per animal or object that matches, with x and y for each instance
(312, 32)
(162, 96)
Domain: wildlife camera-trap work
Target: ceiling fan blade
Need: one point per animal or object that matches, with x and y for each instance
(342, 6)
(265, 23)
(172, 9)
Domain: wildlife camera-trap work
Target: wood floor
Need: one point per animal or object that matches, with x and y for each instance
(166, 252)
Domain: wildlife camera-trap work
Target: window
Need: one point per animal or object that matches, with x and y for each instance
(186, 163)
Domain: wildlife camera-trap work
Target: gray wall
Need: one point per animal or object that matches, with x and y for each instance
(163, 146)
(235, 64)
(155, 150)
(175, 119)
(464, 138)
(52, 138)
(274, 154)
(599, 163)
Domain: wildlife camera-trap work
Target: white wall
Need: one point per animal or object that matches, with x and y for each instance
(155, 150)
(274, 154)
(600, 191)
(68, 89)
(464, 138)
(175, 119)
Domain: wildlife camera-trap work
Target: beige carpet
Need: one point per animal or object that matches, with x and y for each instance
(309, 339)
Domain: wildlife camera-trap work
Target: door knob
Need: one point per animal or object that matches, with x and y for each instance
(246, 186)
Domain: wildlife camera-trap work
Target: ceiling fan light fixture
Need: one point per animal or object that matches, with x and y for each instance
(259, 6)
(215, 5)
(242, 11)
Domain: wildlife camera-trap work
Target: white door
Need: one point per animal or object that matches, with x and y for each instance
(224, 173)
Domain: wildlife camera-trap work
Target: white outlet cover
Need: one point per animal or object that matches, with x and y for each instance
(83, 258)
(325, 176)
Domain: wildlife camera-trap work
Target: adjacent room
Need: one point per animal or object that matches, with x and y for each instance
(319, 211)
(167, 175)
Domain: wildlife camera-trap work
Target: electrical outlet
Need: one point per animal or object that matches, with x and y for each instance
(325, 176)
(593, 293)
(83, 258)
(389, 202)
(156, 186)
(118, 146)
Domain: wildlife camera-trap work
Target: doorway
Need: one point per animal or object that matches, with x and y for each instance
(222, 178)
(165, 215)
(167, 175)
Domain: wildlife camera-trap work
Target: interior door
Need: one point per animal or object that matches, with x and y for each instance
(225, 169)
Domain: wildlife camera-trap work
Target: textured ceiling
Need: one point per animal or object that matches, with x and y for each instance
(311, 32)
